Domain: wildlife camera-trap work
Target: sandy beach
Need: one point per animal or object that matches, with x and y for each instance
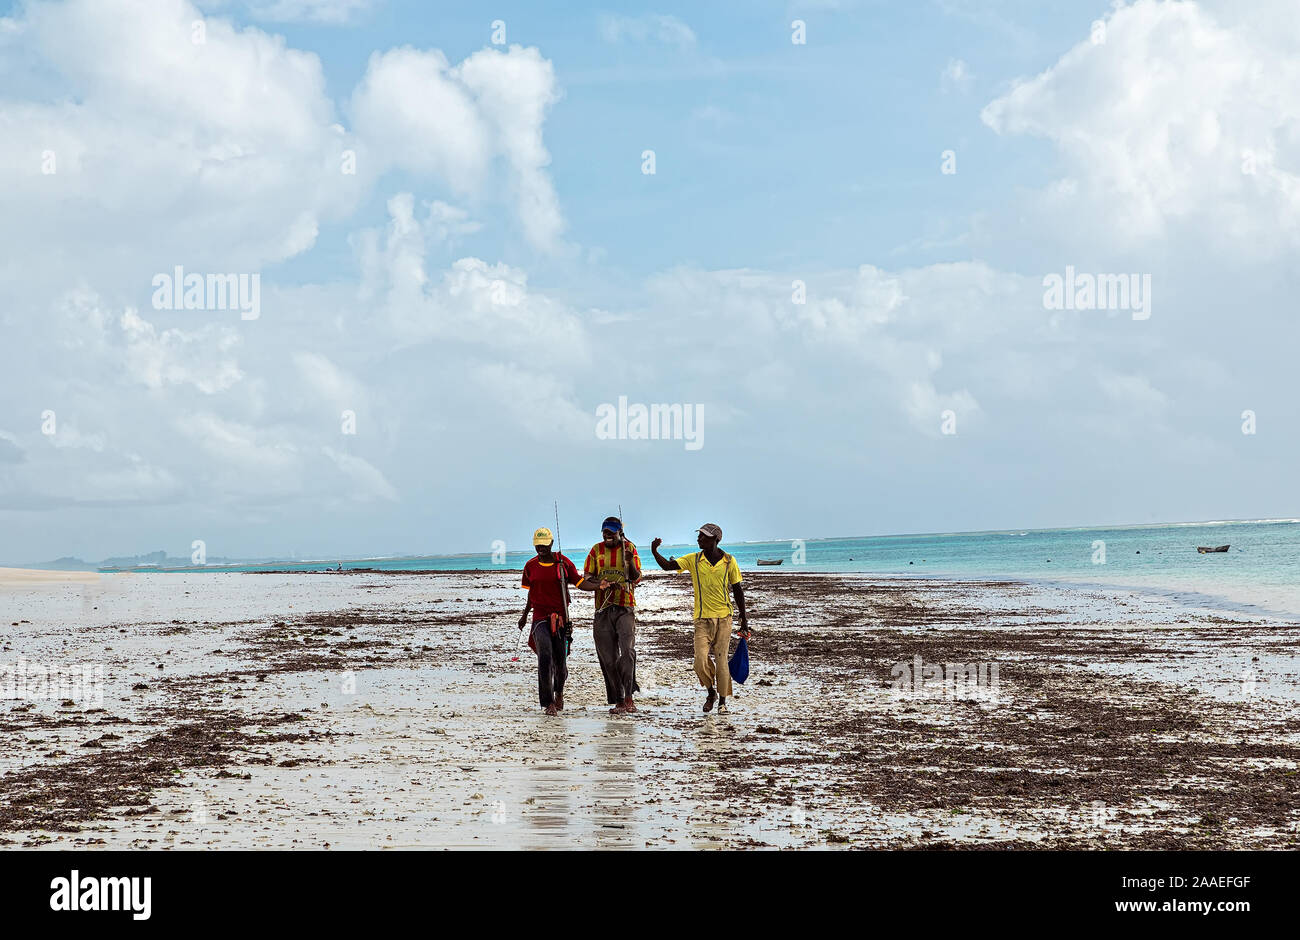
(384, 710)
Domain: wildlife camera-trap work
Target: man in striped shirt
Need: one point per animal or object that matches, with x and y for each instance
(614, 566)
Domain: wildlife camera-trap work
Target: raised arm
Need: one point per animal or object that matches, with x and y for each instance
(664, 563)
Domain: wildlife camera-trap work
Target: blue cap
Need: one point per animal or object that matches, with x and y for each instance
(611, 525)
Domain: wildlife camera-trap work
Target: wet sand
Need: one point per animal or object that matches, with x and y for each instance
(384, 711)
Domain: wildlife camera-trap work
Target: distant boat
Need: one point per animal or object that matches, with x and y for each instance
(1202, 550)
(770, 561)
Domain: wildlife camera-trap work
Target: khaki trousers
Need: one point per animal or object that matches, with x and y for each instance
(713, 635)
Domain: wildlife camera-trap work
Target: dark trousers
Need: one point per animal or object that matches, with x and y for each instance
(552, 661)
(615, 634)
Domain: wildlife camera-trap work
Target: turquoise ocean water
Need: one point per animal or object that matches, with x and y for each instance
(1259, 574)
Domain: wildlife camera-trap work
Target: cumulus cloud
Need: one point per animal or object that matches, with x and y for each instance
(417, 112)
(412, 112)
(162, 136)
(156, 144)
(201, 358)
(1180, 120)
(538, 405)
(222, 152)
(255, 450)
(473, 301)
(472, 372)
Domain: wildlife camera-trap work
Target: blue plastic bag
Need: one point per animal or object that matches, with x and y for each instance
(738, 665)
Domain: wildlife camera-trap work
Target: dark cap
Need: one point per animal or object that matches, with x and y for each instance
(711, 530)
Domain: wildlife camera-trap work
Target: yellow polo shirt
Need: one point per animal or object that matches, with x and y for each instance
(712, 583)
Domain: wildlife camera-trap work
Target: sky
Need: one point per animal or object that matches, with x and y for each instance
(826, 231)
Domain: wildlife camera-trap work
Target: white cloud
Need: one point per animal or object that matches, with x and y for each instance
(414, 111)
(470, 369)
(323, 380)
(926, 407)
(515, 90)
(538, 404)
(650, 27)
(69, 436)
(1134, 392)
(330, 12)
(228, 155)
(956, 76)
(365, 482)
(173, 356)
(866, 335)
(11, 451)
(450, 223)
(242, 446)
(131, 479)
(479, 303)
(224, 152)
(1179, 120)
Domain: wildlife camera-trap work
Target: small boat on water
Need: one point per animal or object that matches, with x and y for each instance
(1202, 550)
(770, 561)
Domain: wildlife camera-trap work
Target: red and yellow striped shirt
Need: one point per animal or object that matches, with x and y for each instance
(608, 563)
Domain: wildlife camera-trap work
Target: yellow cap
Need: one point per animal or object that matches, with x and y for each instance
(542, 537)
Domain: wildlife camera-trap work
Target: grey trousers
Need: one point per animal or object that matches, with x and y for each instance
(615, 634)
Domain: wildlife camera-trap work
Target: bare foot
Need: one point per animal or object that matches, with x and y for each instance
(559, 702)
(629, 705)
(619, 709)
(552, 710)
(708, 702)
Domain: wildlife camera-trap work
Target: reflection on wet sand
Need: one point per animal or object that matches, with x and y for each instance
(715, 736)
(582, 793)
(617, 789)
(548, 809)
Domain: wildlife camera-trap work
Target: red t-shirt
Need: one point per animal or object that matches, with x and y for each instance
(543, 584)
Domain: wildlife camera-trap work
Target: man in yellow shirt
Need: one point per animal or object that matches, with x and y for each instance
(713, 572)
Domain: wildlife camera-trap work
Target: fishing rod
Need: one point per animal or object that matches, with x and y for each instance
(520, 645)
(559, 566)
(523, 631)
(628, 571)
(560, 572)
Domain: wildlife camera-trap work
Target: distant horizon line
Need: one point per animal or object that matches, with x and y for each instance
(767, 541)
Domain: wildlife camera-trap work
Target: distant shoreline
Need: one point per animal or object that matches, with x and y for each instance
(390, 559)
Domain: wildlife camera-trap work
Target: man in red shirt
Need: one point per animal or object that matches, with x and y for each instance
(613, 563)
(547, 578)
